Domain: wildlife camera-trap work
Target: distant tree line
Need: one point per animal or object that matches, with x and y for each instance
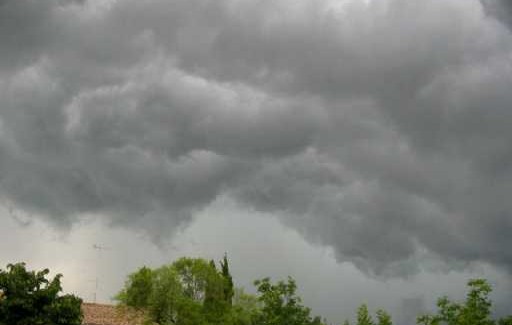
(194, 291)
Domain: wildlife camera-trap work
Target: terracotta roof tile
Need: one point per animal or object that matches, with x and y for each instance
(100, 314)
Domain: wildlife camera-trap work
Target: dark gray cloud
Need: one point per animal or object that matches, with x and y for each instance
(380, 129)
(501, 9)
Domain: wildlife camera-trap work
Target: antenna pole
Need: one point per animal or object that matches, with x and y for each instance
(99, 249)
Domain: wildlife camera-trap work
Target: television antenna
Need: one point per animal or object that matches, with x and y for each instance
(99, 249)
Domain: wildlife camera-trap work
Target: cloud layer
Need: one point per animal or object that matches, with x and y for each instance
(380, 129)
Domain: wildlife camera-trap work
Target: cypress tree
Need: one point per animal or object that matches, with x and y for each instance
(229, 290)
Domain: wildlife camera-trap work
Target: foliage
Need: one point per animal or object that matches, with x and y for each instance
(165, 296)
(195, 275)
(363, 316)
(476, 310)
(383, 318)
(29, 298)
(228, 281)
(246, 308)
(281, 305)
(188, 291)
(192, 291)
(137, 289)
(505, 321)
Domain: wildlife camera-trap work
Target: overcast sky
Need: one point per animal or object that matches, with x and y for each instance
(364, 147)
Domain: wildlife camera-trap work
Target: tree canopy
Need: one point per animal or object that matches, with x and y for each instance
(195, 291)
(29, 298)
(188, 291)
(281, 305)
(476, 310)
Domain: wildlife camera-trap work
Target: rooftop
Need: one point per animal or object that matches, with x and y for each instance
(102, 314)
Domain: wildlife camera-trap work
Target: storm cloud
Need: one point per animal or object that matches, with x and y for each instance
(380, 128)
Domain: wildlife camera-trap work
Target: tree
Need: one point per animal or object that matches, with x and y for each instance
(188, 291)
(228, 281)
(194, 275)
(215, 306)
(363, 316)
(138, 288)
(246, 308)
(476, 310)
(383, 318)
(29, 298)
(281, 305)
(165, 297)
(505, 321)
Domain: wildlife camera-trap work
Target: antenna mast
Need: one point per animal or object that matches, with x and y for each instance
(99, 249)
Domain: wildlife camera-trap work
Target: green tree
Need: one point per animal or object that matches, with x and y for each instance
(29, 298)
(214, 305)
(281, 305)
(194, 275)
(165, 298)
(212, 293)
(246, 308)
(505, 321)
(203, 287)
(383, 318)
(188, 291)
(228, 281)
(476, 310)
(137, 289)
(363, 316)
